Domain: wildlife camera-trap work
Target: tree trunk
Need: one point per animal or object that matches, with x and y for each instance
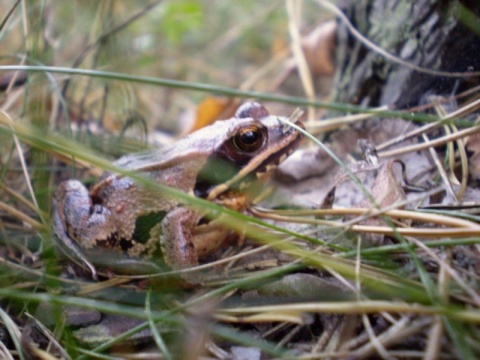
(432, 34)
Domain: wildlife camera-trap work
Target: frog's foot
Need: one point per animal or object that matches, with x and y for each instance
(69, 247)
(77, 223)
(209, 236)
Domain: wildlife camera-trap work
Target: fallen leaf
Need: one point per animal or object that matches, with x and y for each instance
(318, 47)
(213, 108)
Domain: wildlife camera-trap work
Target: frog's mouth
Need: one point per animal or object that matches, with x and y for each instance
(274, 160)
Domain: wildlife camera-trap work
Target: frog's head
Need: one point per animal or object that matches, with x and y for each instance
(252, 145)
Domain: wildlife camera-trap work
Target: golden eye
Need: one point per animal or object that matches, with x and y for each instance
(249, 139)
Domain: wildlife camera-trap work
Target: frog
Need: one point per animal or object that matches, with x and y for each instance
(121, 219)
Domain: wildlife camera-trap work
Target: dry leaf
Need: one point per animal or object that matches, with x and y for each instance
(386, 189)
(383, 185)
(318, 47)
(213, 108)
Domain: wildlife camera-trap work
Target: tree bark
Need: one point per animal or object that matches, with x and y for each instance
(432, 34)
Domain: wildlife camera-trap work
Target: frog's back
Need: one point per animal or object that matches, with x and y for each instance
(198, 145)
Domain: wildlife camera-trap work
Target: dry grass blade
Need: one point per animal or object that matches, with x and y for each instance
(458, 227)
(437, 142)
(349, 307)
(17, 214)
(5, 119)
(293, 9)
(14, 331)
(463, 111)
(340, 122)
(9, 14)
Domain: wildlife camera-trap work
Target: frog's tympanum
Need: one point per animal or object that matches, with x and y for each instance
(218, 163)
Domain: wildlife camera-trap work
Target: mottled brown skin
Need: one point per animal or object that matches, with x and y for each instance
(107, 216)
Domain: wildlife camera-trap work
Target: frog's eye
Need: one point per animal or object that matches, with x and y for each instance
(249, 139)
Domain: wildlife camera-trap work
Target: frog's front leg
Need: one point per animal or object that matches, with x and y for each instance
(184, 240)
(176, 238)
(77, 222)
